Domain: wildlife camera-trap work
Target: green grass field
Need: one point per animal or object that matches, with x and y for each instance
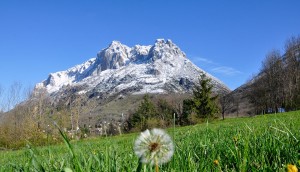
(261, 143)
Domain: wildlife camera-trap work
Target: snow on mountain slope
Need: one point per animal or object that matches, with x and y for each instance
(57, 80)
(160, 68)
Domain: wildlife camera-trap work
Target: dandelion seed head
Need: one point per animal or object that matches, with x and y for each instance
(154, 145)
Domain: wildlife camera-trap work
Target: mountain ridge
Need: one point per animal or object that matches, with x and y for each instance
(158, 68)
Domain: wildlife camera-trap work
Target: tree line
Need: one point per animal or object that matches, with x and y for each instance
(277, 86)
(32, 120)
(202, 106)
(28, 116)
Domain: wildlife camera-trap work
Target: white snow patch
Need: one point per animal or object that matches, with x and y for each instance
(148, 66)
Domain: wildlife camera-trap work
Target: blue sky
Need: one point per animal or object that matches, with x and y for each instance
(228, 39)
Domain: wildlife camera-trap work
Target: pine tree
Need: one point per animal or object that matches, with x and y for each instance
(187, 109)
(147, 107)
(204, 102)
(145, 111)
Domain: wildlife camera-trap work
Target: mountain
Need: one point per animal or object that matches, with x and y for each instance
(161, 68)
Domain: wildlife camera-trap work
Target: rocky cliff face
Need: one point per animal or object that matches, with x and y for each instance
(113, 57)
(118, 69)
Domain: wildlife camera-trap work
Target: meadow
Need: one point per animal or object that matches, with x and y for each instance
(260, 143)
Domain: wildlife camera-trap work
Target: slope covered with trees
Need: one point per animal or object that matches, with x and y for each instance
(277, 87)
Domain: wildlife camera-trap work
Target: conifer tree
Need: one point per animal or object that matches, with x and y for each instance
(187, 109)
(145, 111)
(203, 101)
(147, 107)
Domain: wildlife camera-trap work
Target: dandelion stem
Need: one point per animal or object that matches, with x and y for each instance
(156, 165)
(139, 168)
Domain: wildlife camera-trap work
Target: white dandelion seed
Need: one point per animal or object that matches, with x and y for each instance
(154, 147)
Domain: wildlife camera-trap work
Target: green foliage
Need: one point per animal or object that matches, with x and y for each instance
(204, 103)
(187, 110)
(152, 114)
(147, 108)
(165, 112)
(261, 143)
(201, 106)
(145, 111)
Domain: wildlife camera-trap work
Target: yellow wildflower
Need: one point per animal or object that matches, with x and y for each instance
(216, 162)
(292, 168)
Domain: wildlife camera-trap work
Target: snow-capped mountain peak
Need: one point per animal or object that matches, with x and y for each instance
(166, 49)
(113, 57)
(158, 68)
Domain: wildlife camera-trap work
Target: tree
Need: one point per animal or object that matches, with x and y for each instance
(14, 95)
(20, 123)
(204, 102)
(272, 72)
(226, 103)
(165, 111)
(40, 105)
(147, 108)
(187, 109)
(177, 105)
(278, 83)
(1, 100)
(292, 73)
(145, 111)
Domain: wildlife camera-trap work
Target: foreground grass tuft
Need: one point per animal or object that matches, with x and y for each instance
(262, 143)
